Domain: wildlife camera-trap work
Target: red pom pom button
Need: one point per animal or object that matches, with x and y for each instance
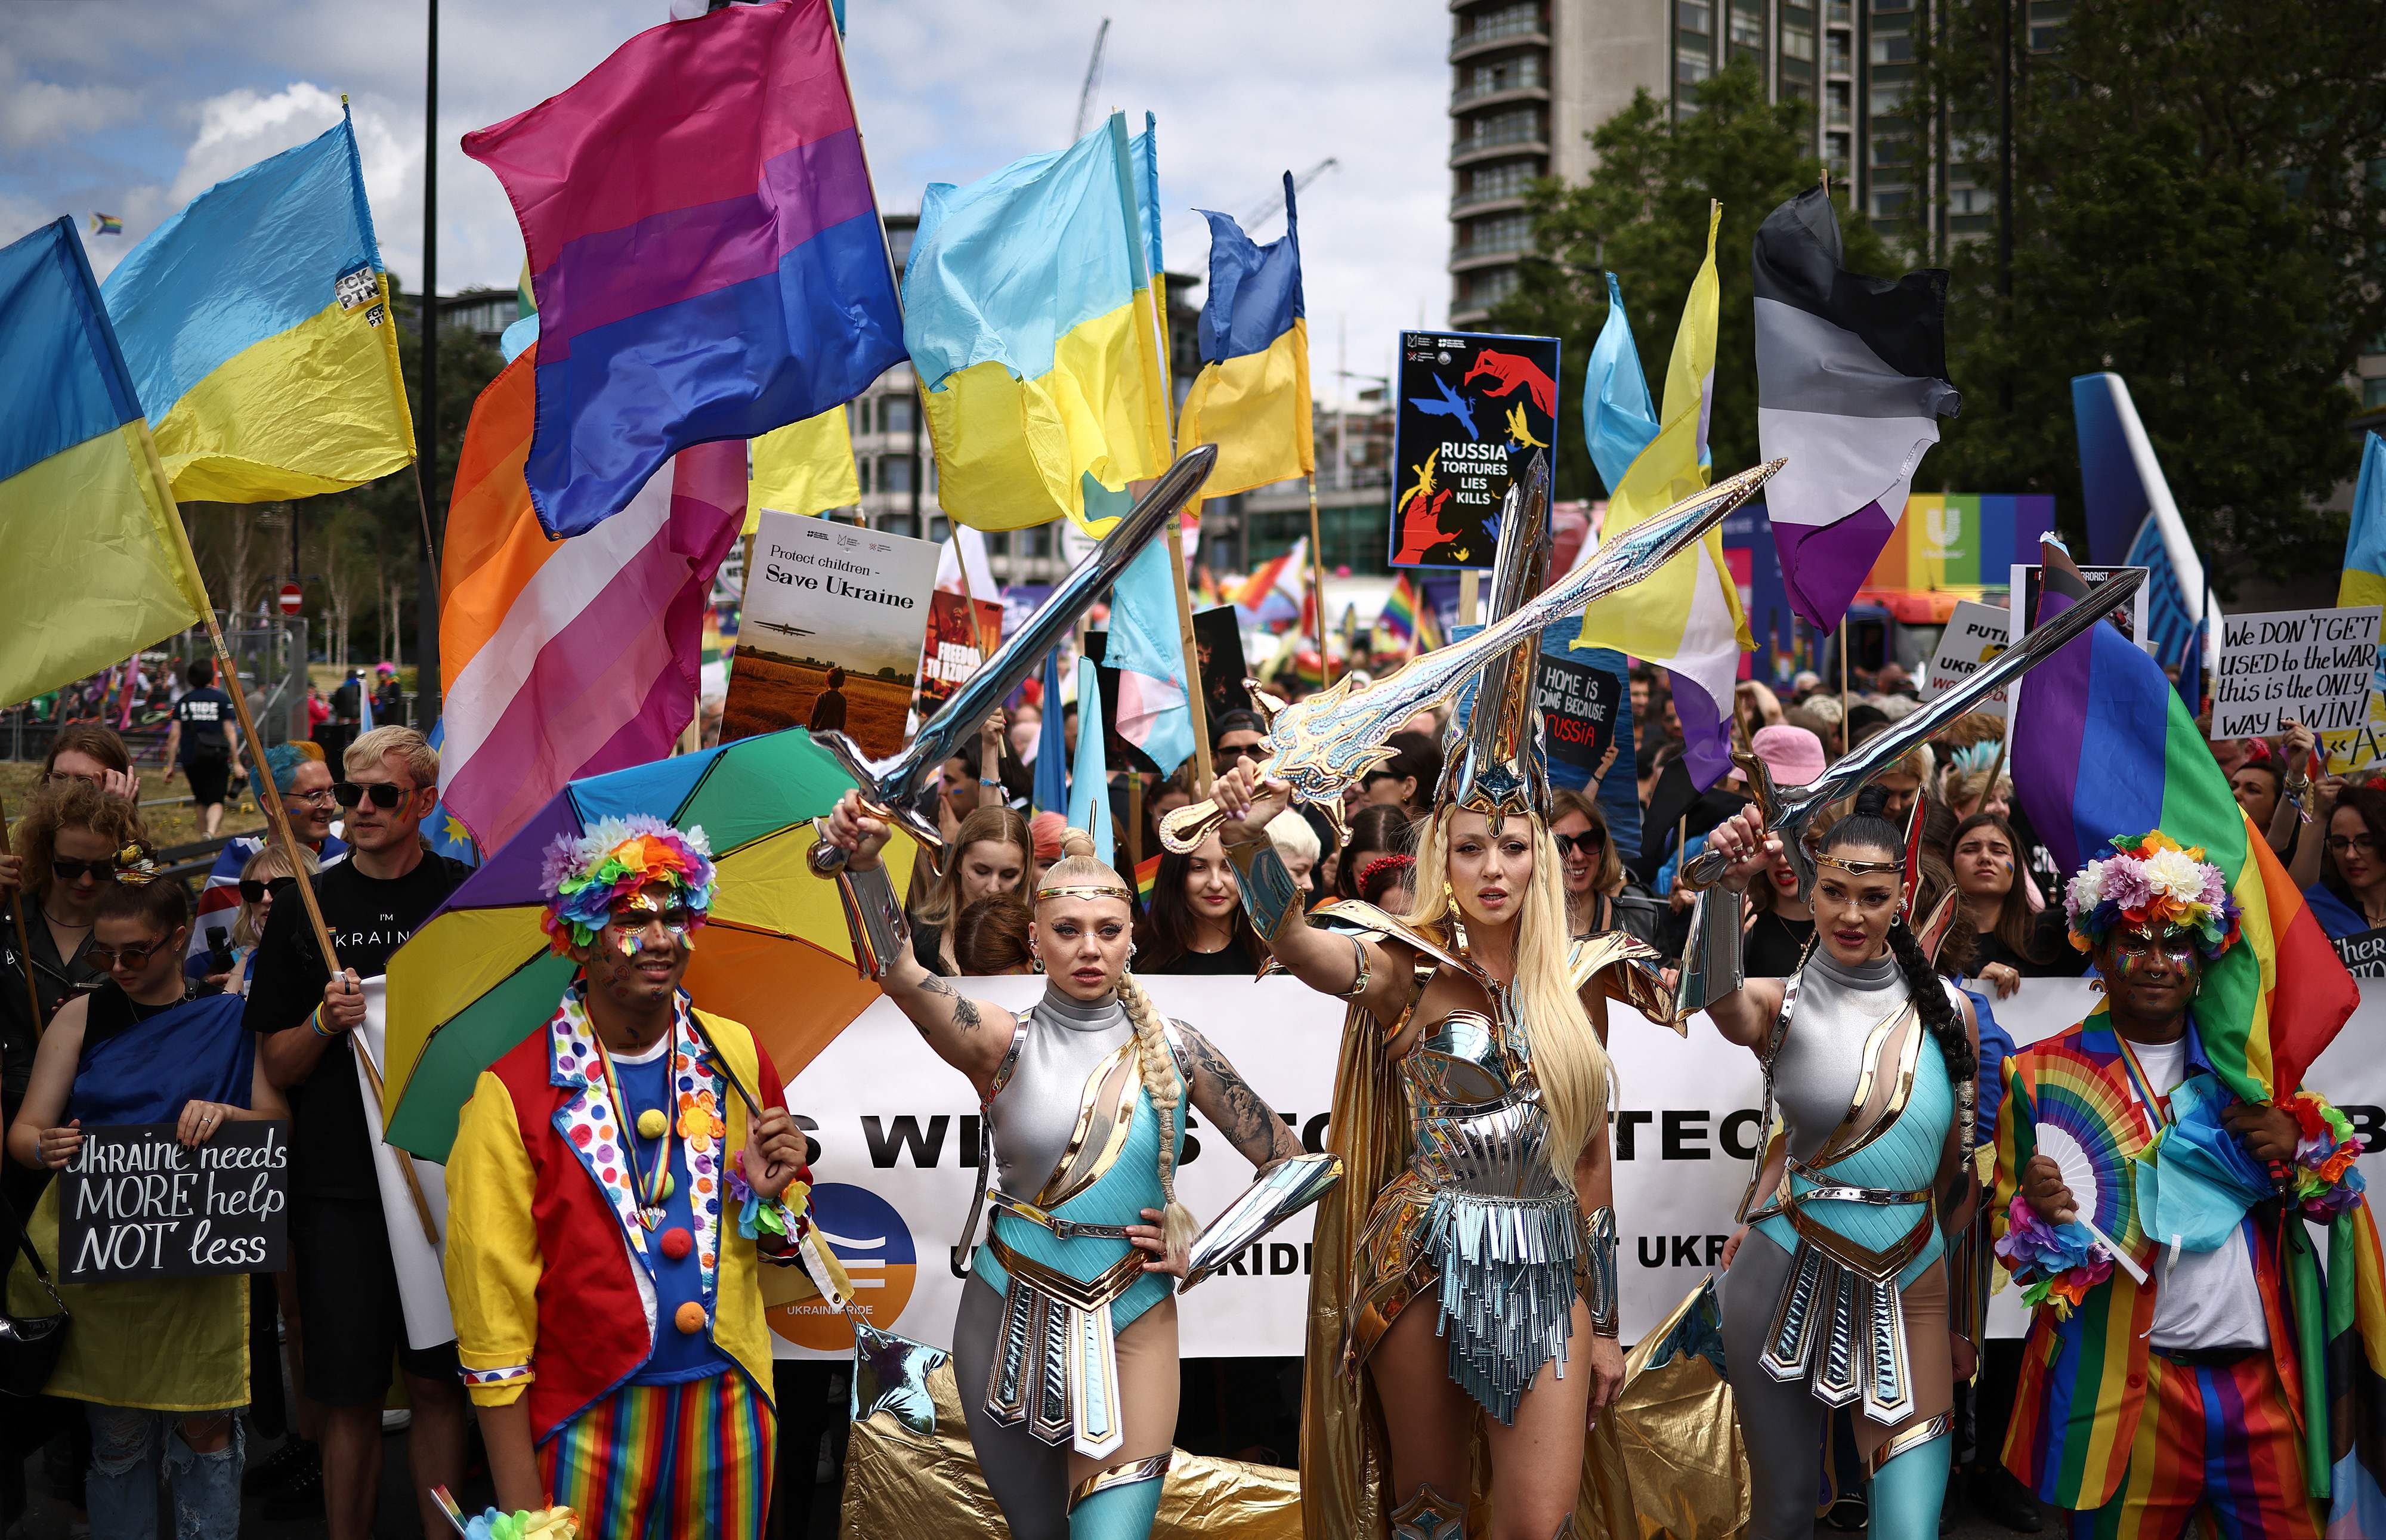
(689, 1319)
(677, 1244)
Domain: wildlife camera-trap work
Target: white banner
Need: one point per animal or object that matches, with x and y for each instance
(897, 1137)
(419, 1257)
(2311, 666)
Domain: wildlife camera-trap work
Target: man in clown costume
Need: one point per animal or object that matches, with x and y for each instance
(618, 1179)
(2162, 1379)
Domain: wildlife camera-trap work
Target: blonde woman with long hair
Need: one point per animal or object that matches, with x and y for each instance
(1467, 1261)
(991, 854)
(1085, 1097)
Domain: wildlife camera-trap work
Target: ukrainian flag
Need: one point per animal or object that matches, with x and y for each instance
(257, 327)
(1030, 314)
(1252, 397)
(97, 565)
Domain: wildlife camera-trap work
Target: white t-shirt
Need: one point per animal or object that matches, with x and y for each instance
(2205, 1299)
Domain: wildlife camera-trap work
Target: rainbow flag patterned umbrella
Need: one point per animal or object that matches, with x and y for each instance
(477, 977)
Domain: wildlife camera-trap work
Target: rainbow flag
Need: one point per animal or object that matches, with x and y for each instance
(1146, 876)
(704, 248)
(1960, 540)
(565, 658)
(1287, 575)
(106, 224)
(2103, 746)
(1398, 620)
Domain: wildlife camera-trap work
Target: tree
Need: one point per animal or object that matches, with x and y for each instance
(1643, 212)
(2198, 207)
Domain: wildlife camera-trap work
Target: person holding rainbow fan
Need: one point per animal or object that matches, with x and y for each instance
(2148, 1214)
(640, 1147)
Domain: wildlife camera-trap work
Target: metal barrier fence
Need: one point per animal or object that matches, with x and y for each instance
(270, 653)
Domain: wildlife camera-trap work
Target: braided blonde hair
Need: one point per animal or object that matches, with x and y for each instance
(1079, 867)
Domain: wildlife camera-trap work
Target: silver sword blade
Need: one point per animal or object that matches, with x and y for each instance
(889, 783)
(1788, 809)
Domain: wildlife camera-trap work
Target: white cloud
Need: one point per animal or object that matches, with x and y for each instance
(34, 112)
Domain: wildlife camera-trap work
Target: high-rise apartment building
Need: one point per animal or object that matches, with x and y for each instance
(1530, 78)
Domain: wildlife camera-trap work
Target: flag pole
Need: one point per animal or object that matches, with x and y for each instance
(1317, 581)
(24, 946)
(1847, 743)
(278, 821)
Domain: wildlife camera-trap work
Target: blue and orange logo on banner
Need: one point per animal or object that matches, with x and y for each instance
(874, 1243)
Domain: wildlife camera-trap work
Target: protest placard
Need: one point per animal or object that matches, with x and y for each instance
(1472, 410)
(2311, 666)
(1974, 634)
(1578, 704)
(952, 651)
(138, 1204)
(830, 635)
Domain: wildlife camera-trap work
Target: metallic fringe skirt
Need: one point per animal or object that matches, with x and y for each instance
(1508, 1289)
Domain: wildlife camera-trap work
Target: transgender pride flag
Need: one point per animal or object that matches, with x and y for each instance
(704, 248)
(1849, 385)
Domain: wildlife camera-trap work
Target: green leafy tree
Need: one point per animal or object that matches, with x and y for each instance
(1643, 213)
(2199, 207)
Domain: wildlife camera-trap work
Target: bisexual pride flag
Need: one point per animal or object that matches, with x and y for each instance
(704, 248)
(1851, 381)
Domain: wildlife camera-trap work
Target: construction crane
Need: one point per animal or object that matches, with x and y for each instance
(1260, 216)
(1093, 80)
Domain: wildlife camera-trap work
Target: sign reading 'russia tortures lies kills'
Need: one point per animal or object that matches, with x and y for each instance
(137, 1202)
(2311, 666)
(1472, 410)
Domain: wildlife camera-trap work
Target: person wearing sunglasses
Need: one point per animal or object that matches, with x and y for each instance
(303, 781)
(346, 1280)
(262, 882)
(619, 1179)
(159, 1364)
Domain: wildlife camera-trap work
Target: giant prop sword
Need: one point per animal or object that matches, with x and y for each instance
(1322, 744)
(1788, 809)
(888, 784)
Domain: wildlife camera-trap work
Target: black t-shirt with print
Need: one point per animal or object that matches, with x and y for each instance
(203, 714)
(329, 1154)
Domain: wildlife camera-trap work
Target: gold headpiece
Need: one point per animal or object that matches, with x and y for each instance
(1084, 890)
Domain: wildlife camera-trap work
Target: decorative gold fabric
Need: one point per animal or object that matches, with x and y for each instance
(899, 1482)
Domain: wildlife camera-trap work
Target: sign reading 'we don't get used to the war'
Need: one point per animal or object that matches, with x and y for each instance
(2311, 666)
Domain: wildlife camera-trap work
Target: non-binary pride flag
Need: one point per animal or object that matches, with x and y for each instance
(1252, 397)
(567, 658)
(1850, 382)
(1031, 319)
(704, 248)
(1685, 618)
(97, 567)
(256, 324)
(2103, 746)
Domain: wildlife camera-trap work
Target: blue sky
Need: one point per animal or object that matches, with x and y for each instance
(132, 107)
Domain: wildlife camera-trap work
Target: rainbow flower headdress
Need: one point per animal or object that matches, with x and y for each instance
(617, 857)
(2151, 880)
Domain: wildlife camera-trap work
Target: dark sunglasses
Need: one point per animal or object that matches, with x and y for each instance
(67, 869)
(1589, 842)
(131, 956)
(253, 890)
(384, 795)
(1240, 751)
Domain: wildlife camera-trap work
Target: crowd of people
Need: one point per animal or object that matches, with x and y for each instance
(145, 1007)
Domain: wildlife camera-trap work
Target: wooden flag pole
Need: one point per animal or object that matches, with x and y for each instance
(278, 821)
(1847, 729)
(24, 946)
(1470, 598)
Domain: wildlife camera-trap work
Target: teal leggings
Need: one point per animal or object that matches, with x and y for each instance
(1907, 1493)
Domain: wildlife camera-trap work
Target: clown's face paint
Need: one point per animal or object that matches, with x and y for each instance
(639, 957)
(2151, 973)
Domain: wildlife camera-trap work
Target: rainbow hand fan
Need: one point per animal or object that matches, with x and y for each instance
(2084, 1123)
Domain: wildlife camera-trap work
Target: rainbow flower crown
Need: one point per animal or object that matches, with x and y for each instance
(2151, 880)
(617, 857)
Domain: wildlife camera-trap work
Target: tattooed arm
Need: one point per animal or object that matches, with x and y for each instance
(1234, 1108)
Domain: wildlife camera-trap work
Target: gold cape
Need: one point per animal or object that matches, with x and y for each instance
(1666, 1460)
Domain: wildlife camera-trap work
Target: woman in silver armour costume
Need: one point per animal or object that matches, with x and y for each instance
(1837, 1295)
(1065, 1345)
(1467, 1265)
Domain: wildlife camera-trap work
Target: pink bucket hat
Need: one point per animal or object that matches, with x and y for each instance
(1792, 754)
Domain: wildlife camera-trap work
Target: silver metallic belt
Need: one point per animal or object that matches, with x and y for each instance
(1067, 1229)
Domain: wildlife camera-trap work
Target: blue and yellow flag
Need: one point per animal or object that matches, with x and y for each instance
(97, 566)
(1030, 314)
(257, 326)
(1252, 397)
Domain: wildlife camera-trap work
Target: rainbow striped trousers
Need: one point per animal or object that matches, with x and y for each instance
(2214, 1439)
(660, 1462)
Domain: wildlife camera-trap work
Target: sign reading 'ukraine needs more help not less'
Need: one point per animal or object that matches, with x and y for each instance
(136, 1203)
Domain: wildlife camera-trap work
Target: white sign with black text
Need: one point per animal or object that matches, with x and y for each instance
(1974, 634)
(2311, 666)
